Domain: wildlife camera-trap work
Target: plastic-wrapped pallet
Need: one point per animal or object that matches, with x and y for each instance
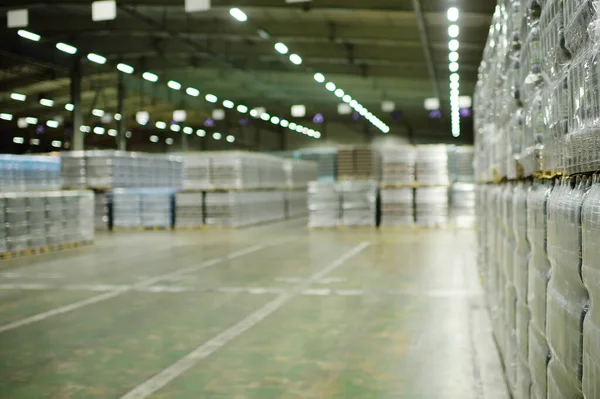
(460, 164)
(157, 207)
(296, 203)
(432, 165)
(127, 208)
(102, 210)
(567, 295)
(29, 172)
(244, 208)
(520, 276)
(299, 173)
(326, 159)
(39, 219)
(495, 287)
(431, 206)
(357, 163)
(196, 172)
(509, 304)
(397, 207)
(537, 285)
(324, 204)
(591, 278)
(462, 205)
(189, 210)
(359, 203)
(398, 165)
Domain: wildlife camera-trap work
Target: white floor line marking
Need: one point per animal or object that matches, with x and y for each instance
(172, 372)
(112, 294)
(10, 275)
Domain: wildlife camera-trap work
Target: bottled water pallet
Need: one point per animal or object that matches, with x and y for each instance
(43, 250)
(142, 228)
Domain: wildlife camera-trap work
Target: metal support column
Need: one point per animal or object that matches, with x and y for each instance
(184, 142)
(121, 123)
(77, 140)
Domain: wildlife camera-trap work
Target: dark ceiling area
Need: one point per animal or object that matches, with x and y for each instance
(377, 50)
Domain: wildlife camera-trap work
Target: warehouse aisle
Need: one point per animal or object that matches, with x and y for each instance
(273, 311)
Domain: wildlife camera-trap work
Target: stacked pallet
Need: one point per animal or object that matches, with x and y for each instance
(432, 180)
(324, 204)
(29, 172)
(296, 203)
(357, 163)
(536, 119)
(397, 181)
(189, 209)
(359, 203)
(326, 160)
(38, 220)
(142, 208)
(244, 208)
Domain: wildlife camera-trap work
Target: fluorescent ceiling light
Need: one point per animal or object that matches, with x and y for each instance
(85, 129)
(353, 103)
(98, 59)
(453, 56)
(454, 85)
(284, 123)
(238, 14)
(217, 136)
(254, 113)
(118, 117)
(211, 98)
(175, 128)
(453, 45)
(174, 85)
(454, 77)
(169, 141)
(31, 120)
(52, 124)
(200, 133)
(69, 107)
(112, 132)
(150, 77)
(46, 102)
(242, 109)
(339, 93)
(128, 69)
(317, 135)
(293, 126)
(330, 86)
(192, 92)
(228, 104)
(295, 59)
(6, 117)
(154, 138)
(281, 48)
(265, 116)
(34, 141)
(453, 30)
(275, 120)
(18, 140)
(56, 143)
(18, 96)
(29, 35)
(99, 130)
(98, 112)
(161, 125)
(453, 66)
(453, 14)
(319, 77)
(347, 99)
(66, 48)
(188, 130)
(230, 139)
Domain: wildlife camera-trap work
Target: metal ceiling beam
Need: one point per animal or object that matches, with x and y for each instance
(426, 47)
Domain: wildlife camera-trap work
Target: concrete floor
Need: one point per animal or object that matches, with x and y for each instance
(274, 311)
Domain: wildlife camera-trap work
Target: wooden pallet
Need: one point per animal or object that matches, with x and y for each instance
(42, 250)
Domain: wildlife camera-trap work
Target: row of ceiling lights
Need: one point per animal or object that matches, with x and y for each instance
(453, 66)
(174, 85)
(295, 59)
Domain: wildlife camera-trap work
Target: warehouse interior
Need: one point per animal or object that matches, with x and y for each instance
(311, 199)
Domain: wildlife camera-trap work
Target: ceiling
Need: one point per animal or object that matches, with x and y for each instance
(375, 50)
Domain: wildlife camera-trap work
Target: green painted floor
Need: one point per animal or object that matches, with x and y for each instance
(274, 311)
